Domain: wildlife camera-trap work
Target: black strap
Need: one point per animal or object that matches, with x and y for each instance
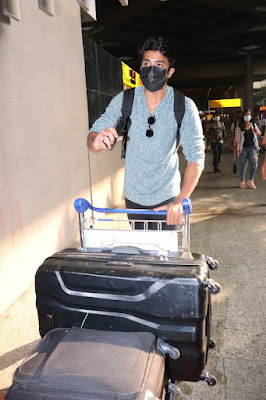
(179, 107)
(127, 105)
(128, 99)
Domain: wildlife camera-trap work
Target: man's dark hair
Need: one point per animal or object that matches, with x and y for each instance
(159, 44)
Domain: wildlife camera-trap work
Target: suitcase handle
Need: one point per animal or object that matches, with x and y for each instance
(129, 250)
(81, 205)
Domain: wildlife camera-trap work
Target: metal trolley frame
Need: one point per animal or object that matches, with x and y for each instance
(158, 242)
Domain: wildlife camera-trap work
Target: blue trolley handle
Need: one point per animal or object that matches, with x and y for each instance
(82, 205)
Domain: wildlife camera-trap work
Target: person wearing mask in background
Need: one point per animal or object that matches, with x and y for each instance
(232, 141)
(247, 147)
(216, 133)
(152, 176)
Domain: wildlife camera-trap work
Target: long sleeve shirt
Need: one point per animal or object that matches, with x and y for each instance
(152, 164)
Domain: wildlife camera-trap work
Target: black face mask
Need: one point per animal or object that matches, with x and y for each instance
(153, 78)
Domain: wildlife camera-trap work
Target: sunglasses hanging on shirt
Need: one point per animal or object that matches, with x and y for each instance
(149, 132)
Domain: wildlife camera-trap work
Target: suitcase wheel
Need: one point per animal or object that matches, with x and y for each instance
(213, 287)
(212, 263)
(209, 379)
(173, 391)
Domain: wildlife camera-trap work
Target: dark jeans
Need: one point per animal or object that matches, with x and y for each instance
(151, 225)
(217, 151)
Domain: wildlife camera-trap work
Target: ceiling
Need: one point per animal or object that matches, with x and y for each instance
(205, 32)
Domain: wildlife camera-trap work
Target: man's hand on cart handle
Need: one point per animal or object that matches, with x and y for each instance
(175, 210)
(103, 140)
(174, 213)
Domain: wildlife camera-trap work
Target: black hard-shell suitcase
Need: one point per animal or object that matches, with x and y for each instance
(130, 293)
(87, 364)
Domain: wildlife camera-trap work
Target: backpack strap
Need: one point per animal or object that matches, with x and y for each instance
(128, 99)
(179, 108)
(127, 105)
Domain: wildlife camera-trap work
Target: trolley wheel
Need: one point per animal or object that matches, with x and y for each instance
(212, 344)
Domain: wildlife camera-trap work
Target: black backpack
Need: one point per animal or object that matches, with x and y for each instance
(123, 123)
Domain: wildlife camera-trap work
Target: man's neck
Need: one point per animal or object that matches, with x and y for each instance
(153, 99)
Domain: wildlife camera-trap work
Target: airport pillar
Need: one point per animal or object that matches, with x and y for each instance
(248, 103)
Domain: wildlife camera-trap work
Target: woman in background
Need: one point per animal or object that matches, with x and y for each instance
(247, 147)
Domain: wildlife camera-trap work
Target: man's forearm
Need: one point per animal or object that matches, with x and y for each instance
(191, 178)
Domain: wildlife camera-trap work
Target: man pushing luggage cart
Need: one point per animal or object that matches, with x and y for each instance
(161, 118)
(128, 314)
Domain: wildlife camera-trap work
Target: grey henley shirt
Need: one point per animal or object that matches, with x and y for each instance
(152, 165)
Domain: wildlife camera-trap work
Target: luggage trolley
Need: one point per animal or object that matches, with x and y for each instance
(143, 288)
(125, 238)
(127, 326)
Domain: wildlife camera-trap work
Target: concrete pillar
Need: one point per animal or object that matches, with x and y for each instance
(248, 101)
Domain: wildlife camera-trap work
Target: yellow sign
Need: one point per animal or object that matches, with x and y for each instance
(130, 77)
(224, 103)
